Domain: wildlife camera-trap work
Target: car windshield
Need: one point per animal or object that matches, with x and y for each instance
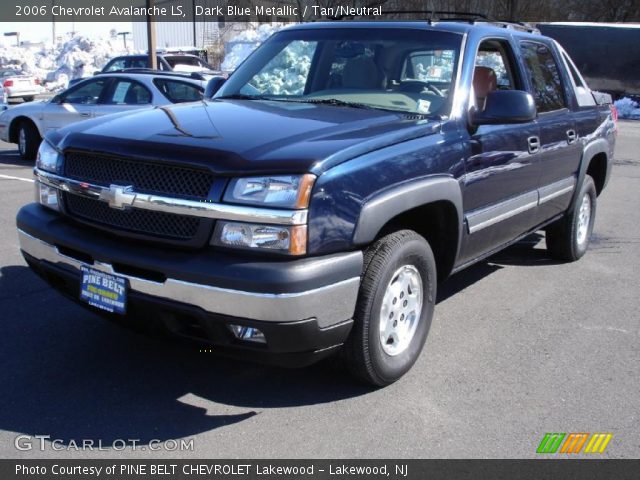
(398, 69)
(9, 73)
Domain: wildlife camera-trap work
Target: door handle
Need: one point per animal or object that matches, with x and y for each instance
(533, 144)
(85, 114)
(572, 136)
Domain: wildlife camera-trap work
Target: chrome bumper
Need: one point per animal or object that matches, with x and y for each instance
(330, 304)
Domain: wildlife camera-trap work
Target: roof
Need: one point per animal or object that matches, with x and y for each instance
(461, 27)
(144, 73)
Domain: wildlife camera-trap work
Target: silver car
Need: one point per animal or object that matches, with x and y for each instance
(18, 85)
(27, 124)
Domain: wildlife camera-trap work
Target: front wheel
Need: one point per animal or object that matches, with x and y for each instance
(568, 238)
(394, 309)
(28, 140)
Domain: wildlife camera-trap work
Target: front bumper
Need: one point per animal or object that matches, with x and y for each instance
(303, 306)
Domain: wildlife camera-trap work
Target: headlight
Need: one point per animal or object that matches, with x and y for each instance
(49, 158)
(286, 191)
(279, 238)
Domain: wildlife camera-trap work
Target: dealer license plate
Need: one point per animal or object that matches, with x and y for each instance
(103, 290)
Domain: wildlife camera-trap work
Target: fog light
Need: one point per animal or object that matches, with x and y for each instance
(248, 334)
(47, 196)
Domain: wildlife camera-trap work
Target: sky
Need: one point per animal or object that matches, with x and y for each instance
(41, 31)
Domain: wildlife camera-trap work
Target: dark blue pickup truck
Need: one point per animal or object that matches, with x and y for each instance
(315, 202)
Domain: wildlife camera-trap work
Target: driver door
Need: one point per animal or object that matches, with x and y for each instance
(77, 103)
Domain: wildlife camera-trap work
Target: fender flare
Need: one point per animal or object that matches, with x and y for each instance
(379, 209)
(593, 148)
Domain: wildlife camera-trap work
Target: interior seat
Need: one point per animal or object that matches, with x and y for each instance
(485, 81)
(361, 72)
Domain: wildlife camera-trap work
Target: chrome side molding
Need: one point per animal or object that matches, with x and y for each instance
(485, 217)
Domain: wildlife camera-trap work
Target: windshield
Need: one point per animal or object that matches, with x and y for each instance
(407, 70)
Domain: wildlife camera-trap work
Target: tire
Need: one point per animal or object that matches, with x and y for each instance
(28, 140)
(568, 238)
(374, 356)
(30, 98)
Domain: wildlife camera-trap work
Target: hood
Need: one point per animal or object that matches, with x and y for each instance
(231, 136)
(26, 108)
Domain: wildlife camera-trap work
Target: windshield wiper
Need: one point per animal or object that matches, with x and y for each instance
(242, 96)
(336, 102)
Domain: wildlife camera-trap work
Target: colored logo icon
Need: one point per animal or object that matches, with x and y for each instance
(573, 442)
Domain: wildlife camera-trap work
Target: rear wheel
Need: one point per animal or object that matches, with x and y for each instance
(568, 238)
(28, 140)
(394, 309)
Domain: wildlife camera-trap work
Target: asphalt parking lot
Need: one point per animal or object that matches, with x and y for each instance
(519, 346)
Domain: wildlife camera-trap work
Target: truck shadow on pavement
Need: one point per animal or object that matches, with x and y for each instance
(72, 375)
(12, 158)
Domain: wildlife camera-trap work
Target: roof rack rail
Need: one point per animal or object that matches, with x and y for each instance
(151, 71)
(521, 26)
(432, 15)
(456, 16)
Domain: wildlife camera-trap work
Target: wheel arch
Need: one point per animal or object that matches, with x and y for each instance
(430, 206)
(15, 123)
(596, 162)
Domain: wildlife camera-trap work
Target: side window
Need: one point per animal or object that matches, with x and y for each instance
(286, 73)
(577, 80)
(178, 92)
(87, 94)
(545, 76)
(493, 70)
(127, 92)
(116, 65)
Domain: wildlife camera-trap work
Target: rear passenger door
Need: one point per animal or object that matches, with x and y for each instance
(560, 150)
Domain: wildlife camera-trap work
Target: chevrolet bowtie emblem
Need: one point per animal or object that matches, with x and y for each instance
(118, 196)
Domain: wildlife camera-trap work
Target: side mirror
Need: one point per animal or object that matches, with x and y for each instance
(213, 86)
(56, 99)
(97, 72)
(504, 107)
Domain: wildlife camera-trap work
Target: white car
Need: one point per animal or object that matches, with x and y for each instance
(17, 85)
(28, 123)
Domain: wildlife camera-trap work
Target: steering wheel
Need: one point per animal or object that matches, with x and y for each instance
(418, 86)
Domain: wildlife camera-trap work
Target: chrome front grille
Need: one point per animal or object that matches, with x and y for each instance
(147, 177)
(145, 222)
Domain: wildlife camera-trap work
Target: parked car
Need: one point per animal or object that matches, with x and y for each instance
(18, 85)
(27, 124)
(166, 62)
(313, 206)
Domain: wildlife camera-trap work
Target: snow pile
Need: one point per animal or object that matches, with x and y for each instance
(244, 43)
(55, 65)
(627, 108)
(286, 73)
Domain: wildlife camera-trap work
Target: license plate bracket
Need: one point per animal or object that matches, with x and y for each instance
(103, 290)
